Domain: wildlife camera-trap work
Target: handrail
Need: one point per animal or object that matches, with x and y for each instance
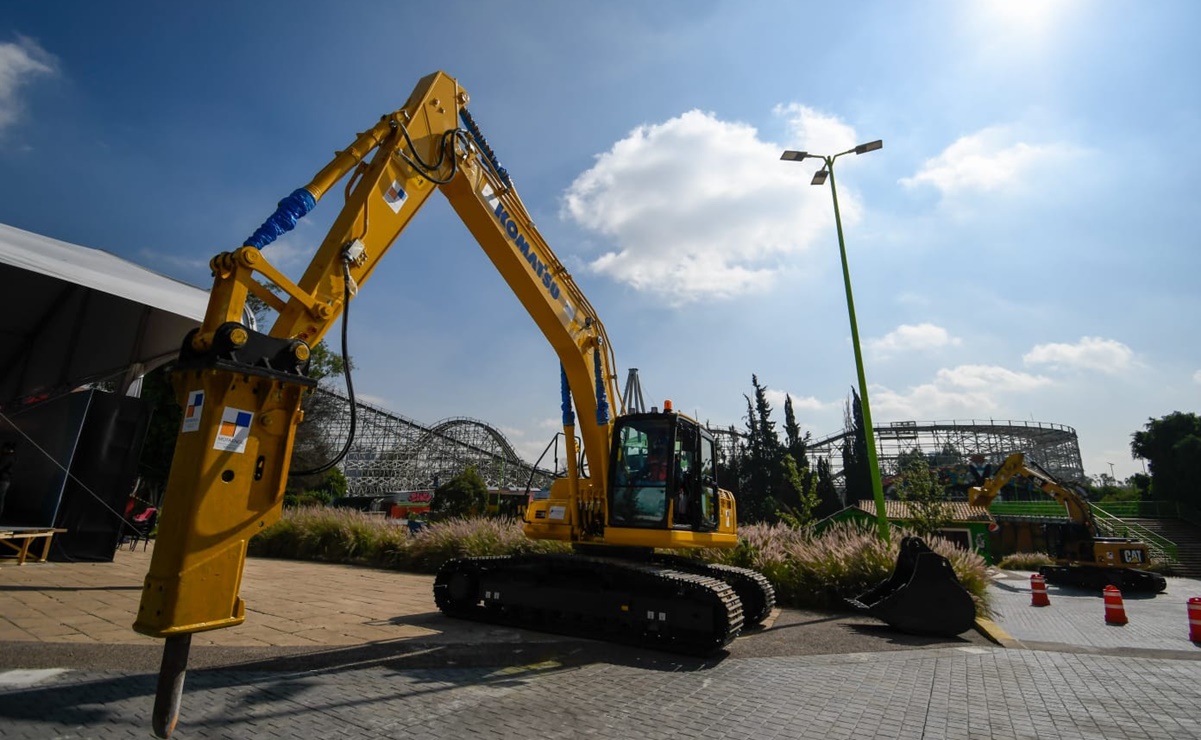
(1158, 547)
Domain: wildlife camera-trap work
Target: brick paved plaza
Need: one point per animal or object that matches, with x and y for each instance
(337, 651)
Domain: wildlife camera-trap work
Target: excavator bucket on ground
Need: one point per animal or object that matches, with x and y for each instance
(922, 597)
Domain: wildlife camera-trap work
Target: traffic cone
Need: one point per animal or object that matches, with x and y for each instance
(1194, 619)
(1115, 613)
(1038, 591)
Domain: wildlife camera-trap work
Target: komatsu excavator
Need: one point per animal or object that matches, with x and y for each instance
(1084, 558)
(617, 505)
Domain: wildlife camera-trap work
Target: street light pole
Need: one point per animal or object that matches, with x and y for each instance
(869, 433)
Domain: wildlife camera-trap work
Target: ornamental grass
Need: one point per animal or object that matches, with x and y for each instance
(331, 535)
(436, 543)
(814, 570)
(1025, 561)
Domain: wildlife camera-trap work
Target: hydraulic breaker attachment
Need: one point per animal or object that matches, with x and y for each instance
(922, 597)
(241, 398)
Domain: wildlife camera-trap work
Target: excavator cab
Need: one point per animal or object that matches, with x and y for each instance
(663, 473)
(658, 491)
(663, 484)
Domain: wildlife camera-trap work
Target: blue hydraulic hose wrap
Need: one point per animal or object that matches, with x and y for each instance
(602, 403)
(290, 210)
(482, 143)
(568, 416)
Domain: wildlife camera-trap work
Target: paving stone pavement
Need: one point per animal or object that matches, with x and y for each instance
(1076, 617)
(932, 693)
(1059, 671)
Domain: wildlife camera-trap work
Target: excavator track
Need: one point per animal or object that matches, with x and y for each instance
(1093, 577)
(754, 590)
(638, 603)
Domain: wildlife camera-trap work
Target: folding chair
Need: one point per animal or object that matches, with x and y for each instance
(142, 526)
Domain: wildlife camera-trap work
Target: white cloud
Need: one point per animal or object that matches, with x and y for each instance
(989, 160)
(1197, 377)
(963, 391)
(990, 376)
(1090, 353)
(293, 251)
(912, 337)
(700, 208)
(821, 134)
(809, 403)
(929, 402)
(799, 404)
(20, 62)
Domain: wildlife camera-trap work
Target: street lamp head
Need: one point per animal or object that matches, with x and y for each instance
(870, 146)
(791, 156)
(819, 177)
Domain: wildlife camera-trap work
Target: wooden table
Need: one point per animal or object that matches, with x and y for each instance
(10, 536)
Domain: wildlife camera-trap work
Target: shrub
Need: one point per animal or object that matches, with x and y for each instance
(438, 542)
(1025, 561)
(306, 499)
(329, 534)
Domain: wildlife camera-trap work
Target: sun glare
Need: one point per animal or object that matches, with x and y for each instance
(1034, 17)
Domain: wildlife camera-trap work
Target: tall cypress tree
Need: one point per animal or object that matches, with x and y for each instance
(798, 444)
(762, 447)
(856, 473)
(827, 494)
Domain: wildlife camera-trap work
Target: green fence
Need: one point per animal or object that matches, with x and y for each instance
(1029, 508)
(1150, 510)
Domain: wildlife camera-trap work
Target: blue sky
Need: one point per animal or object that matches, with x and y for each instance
(1023, 247)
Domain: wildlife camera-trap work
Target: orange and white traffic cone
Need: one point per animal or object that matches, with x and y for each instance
(1194, 619)
(1115, 613)
(1038, 591)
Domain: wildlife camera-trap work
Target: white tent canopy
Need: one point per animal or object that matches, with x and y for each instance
(77, 315)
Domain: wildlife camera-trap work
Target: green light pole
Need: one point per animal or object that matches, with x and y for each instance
(819, 178)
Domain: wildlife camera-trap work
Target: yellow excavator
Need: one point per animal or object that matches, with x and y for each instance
(1083, 557)
(241, 392)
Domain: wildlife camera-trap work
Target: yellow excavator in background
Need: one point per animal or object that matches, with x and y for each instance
(1084, 558)
(241, 392)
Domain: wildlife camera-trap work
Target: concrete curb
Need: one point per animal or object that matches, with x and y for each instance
(993, 632)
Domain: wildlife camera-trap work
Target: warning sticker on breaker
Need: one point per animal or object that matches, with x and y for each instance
(192, 411)
(234, 430)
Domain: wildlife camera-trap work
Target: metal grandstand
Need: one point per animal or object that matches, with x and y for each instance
(393, 453)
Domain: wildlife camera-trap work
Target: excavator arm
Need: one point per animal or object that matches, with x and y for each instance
(1076, 505)
(241, 391)
(1015, 466)
(984, 495)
